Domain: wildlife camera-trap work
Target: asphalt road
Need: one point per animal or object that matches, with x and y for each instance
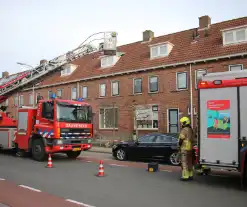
(122, 186)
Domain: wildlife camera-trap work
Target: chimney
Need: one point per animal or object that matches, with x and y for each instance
(148, 35)
(43, 62)
(204, 22)
(5, 74)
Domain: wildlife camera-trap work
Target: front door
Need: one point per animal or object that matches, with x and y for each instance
(173, 125)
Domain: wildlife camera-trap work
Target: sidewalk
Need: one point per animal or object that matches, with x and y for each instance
(101, 150)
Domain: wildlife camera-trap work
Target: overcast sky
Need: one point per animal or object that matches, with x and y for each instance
(32, 30)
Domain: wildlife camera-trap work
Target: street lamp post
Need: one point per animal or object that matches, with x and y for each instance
(32, 68)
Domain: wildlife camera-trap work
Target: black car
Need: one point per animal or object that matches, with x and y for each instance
(150, 146)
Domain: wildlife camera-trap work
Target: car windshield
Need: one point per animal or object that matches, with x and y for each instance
(73, 113)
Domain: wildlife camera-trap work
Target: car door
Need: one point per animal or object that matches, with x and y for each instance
(143, 146)
(162, 146)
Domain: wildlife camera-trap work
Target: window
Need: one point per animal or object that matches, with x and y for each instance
(198, 75)
(235, 36)
(6, 102)
(181, 80)
(30, 98)
(159, 51)
(67, 71)
(59, 93)
(107, 61)
(102, 90)
(146, 117)
(137, 85)
(73, 93)
(146, 139)
(163, 139)
(16, 100)
(108, 118)
(84, 92)
(153, 84)
(21, 100)
(47, 110)
(49, 94)
(115, 88)
(236, 67)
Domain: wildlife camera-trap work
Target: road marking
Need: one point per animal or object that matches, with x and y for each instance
(30, 188)
(223, 176)
(118, 165)
(166, 171)
(89, 161)
(2, 179)
(79, 203)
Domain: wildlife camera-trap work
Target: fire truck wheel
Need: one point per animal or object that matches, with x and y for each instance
(73, 155)
(38, 150)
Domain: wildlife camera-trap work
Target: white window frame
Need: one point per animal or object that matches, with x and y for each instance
(108, 61)
(30, 101)
(134, 79)
(242, 66)
(82, 91)
(180, 89)
(16, 101)
(118, 85)
(234, 31)
(66, 71)
(151, 106)
(149, 78)
(104, 117)
(49, 94)
(196, 72)
(100, 90)
(158, 47)
(72, 98)
(21, 100)
(61, 90)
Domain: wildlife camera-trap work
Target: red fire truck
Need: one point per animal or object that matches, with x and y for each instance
(54, 126)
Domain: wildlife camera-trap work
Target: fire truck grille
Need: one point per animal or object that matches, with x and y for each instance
(74, 133)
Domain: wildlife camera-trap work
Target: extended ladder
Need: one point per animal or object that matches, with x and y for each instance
(109, 48)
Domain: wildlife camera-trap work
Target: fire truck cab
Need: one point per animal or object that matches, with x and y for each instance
(54, 126)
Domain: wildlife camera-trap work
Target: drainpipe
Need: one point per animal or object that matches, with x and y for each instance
(78, 90)
(191, 97)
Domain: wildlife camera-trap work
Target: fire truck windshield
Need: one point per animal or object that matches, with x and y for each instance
(73, 113)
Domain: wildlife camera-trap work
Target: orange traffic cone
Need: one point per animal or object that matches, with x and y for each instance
(49, 164)
(101, 172)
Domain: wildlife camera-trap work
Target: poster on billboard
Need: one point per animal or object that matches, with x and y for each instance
(218, 119)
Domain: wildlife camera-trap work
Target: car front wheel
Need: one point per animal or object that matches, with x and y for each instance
(121, 154)
(174, 159)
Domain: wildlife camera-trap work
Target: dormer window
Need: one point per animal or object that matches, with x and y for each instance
(68, 69)
(235, 35)
(160, 50)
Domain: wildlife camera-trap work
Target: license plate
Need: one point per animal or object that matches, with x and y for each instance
(77, 149)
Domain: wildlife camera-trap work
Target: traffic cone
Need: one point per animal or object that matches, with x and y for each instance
(49, 164)
(101, 172)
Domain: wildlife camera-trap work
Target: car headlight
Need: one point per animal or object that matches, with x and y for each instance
(114, 146)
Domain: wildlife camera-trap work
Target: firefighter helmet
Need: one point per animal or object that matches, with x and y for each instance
(185, 120)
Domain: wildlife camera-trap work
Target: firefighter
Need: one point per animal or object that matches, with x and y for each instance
(185, 144)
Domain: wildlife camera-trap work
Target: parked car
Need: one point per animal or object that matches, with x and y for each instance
(150, 146)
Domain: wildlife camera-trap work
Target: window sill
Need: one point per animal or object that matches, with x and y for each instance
(155, 92)
(108, 129)
(179, 90)
(147, 129)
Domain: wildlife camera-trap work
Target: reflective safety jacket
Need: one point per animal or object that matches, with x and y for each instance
(187, 136)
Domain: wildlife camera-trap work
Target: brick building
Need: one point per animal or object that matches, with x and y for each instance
(150, 83)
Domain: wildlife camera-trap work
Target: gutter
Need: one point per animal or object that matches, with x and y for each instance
(145, 69)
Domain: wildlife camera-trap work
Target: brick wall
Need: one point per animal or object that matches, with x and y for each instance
(166, 97)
